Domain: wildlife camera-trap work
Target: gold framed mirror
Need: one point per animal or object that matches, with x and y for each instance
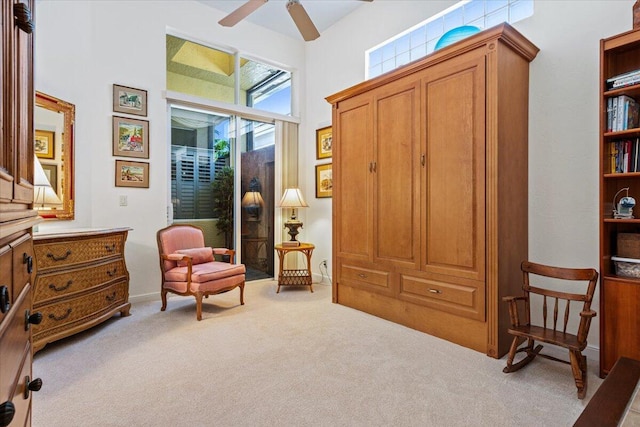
(53, 157)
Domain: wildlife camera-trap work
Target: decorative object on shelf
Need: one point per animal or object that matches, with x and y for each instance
(129, 100)
(44, 144)
(623, 209)
(132, 174)
(292, 198)
(324, 141)
(130, 137)
(455, 35)
(324, 180)
(44, 196)
(252, 201)
(636, 15)
(626, 267)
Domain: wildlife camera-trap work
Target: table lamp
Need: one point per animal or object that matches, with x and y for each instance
(44, 196)
(252, 202)
(292, 198)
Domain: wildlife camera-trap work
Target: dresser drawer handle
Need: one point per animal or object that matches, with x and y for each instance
(64, 316)
(113, 272)
(62, 288)
(110, 248)
(61, 258)
(111, 297)
(362, 276)
(435, 291)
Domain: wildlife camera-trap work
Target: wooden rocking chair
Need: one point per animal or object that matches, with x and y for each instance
(523, 330)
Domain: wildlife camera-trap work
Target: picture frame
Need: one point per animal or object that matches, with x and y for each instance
(130, 137)
(324, 142)
(51, 172)
(44, 144)
(132, 174)
(324, 180)
(129, 100)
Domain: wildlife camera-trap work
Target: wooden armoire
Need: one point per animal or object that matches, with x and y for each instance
(430, 190)
(17, 216)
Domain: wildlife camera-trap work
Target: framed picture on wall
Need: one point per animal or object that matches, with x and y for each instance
(132, 174)
(324, 140)
(129, 100)
(51, 172)
(44, 144)
(130, 137)
(324, 180)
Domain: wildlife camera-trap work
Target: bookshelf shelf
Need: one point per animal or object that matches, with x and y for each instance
(619, 296)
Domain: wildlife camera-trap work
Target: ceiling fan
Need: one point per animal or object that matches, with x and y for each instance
(296, 10)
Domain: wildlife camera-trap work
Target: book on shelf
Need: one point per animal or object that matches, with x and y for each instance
(622, 80)
(623, 113)
(624, 156)
(290, 244)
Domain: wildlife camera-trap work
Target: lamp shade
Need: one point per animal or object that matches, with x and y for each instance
(252, 199)
(44, 196)
(292, 198)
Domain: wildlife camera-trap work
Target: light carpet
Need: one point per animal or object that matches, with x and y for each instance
(287, 359)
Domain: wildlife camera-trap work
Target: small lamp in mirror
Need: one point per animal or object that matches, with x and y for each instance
(252, 203)
(44, 196)
(292, 198)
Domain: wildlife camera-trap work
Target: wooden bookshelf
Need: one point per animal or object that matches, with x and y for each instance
(619, 296)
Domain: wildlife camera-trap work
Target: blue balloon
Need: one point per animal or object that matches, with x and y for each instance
(456, 35)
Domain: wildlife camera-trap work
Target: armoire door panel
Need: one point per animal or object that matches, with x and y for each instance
(352, 186)
(454, 194)
(396, 193)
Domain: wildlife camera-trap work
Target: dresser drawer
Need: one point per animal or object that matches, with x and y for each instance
(49, 286)
(23, 262)
(79, 310)
(22, 404)
(453, 295)
(71, 252)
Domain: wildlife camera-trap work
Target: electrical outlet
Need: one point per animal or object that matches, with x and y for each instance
(123, 201)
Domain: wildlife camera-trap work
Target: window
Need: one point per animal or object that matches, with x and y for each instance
(199, 70)
(421, 40)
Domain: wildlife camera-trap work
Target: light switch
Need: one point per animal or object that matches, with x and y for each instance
(123, 200)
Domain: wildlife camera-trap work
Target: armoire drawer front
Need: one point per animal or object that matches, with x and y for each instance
(23, 263)
(15, 341)
(67, 282)
(465, 298)
(21, 403)
(79, 309)
(364, 276)
(54, 255)
(6, 280)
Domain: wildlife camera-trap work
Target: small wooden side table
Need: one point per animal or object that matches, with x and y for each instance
(300, 277)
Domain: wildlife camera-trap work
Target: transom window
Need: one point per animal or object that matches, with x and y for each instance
(420, 40)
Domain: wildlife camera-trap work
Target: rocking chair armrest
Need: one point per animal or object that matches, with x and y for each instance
(510, 298)
(589, 313)
(514, 317)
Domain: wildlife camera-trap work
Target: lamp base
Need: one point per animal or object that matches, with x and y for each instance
(293, 225)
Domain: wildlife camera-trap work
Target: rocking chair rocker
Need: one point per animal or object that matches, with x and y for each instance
(523, 330)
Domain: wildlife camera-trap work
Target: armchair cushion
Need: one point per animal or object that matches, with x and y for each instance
(205, 272)
(198, 256)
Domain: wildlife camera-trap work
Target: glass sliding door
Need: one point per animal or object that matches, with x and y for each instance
(202, 170)
(256, 142)
(203, 189)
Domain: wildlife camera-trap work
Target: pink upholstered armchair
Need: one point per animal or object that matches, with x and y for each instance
(190, 268)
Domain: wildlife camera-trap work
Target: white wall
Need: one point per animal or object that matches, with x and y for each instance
(563, 120)
(82, 48)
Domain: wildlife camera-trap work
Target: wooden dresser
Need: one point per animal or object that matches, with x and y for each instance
(81, 281)
(430, 190)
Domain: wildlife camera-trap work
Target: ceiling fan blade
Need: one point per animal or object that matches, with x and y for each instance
(240, 13)
(301, 19)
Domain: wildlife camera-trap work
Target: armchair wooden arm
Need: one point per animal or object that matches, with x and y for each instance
(514, 317)
(225, 251)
